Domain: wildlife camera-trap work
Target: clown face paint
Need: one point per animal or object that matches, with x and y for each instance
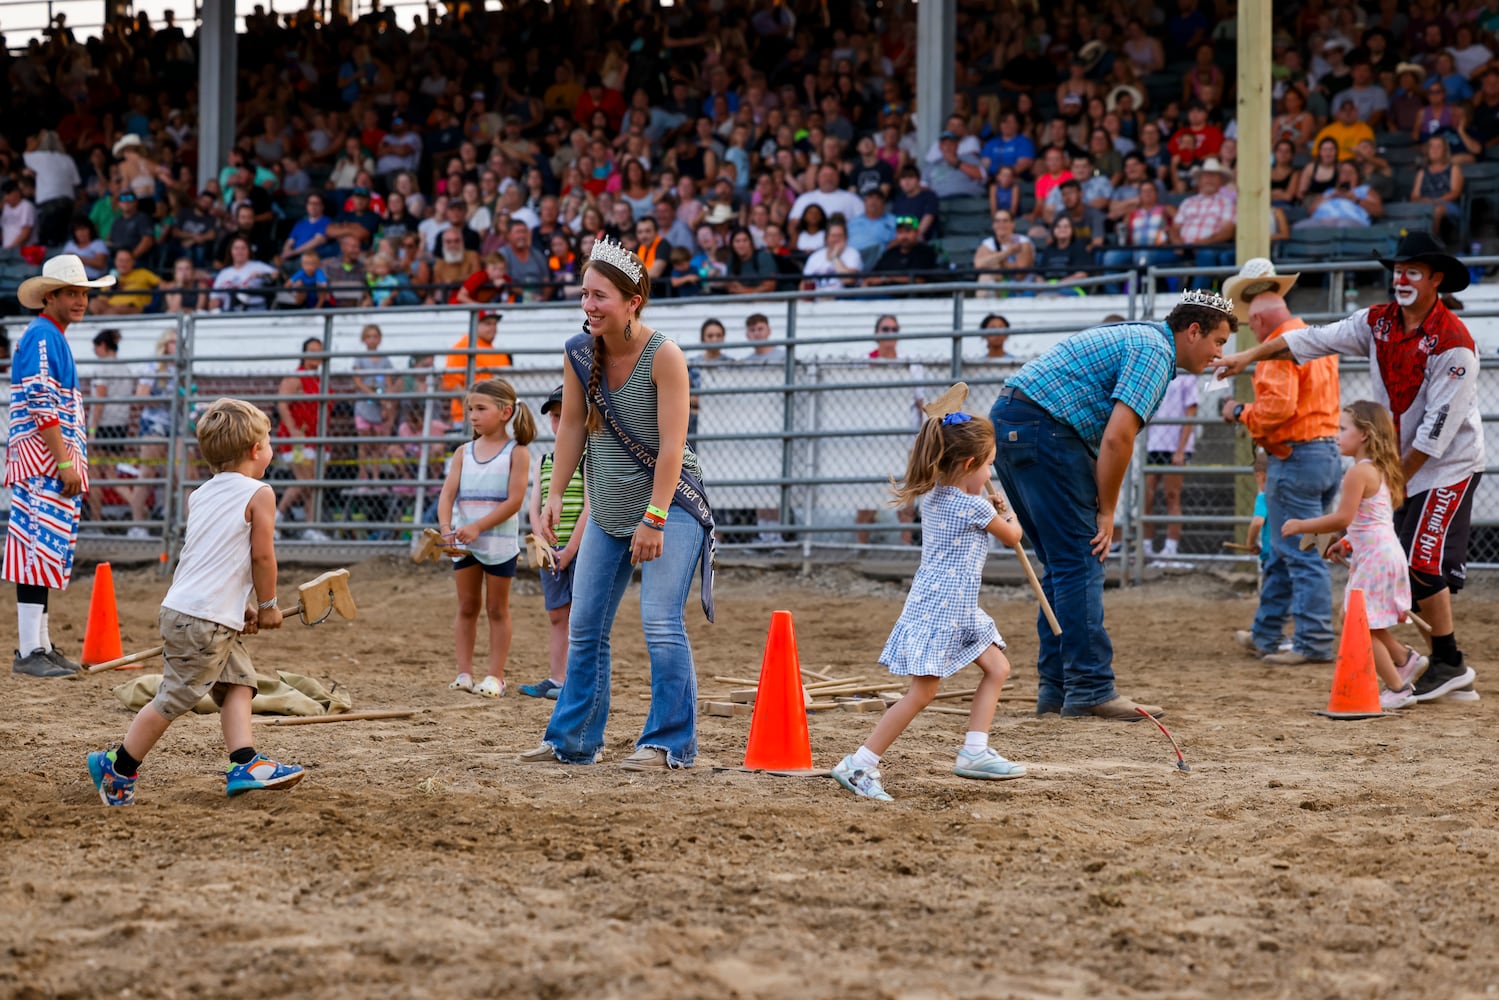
(1410, 280)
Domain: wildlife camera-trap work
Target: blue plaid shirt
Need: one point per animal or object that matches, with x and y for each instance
(1079, 381)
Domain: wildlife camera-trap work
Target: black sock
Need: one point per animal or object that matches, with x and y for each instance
(242, 756)
(1444, 648)
(124, 763)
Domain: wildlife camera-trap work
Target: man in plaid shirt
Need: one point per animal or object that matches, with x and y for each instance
(1065, 427)
(1207, 218)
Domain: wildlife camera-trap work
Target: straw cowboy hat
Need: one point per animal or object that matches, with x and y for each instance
(1256, 277)
(63, 271)
(125, 141)
(1213, 165)
(1090, 55)
(1423, 248)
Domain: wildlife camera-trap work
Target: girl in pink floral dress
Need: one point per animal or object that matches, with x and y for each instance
(1373, 486)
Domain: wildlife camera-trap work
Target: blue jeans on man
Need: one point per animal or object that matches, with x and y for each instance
(1297, 584)
(602, 575)
(1203, 257)
(1049, 476)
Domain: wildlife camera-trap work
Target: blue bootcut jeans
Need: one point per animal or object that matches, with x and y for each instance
(576, 730)
(1049, 476)
(1297, 584)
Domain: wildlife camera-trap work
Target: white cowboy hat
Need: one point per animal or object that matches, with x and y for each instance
(1256, 277)
(125, 141)
(1213, 165)
(63, 271)
(1112, 101)
(720, 214)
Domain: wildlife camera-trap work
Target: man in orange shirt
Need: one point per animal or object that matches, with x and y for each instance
(1294, 417)
(487, 362)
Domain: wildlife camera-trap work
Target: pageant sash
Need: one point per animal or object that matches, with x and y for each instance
(689, 493)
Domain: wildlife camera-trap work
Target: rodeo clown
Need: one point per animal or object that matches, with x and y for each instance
(46, 464)
(1425, 371)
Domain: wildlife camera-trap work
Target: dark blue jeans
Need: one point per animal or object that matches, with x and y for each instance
(1049, 476)
(1297, 584)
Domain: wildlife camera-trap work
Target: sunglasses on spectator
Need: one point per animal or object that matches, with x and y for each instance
(889, 329)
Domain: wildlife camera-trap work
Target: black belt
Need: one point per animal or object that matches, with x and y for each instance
(1321, 440)
(1016, 394)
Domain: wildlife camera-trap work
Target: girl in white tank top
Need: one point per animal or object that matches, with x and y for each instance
(479, 511)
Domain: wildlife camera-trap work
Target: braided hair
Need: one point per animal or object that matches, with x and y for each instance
(629, 289)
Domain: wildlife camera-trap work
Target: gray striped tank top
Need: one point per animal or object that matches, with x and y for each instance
(618, 488)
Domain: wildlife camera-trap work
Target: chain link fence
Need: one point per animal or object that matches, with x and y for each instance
(798, 445)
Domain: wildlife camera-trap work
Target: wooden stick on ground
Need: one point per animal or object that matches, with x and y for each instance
(394, 713)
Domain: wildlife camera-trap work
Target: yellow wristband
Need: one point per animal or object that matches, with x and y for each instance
(66, 464)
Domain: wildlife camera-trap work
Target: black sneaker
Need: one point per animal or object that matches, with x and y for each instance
(1442, 678)
(37, 664)
(55, 655)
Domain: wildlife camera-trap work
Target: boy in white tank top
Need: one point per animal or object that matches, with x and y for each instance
(224, 587)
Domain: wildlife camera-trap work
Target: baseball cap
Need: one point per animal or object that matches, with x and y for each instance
(554, 401)
(907, 222)
(947, 134)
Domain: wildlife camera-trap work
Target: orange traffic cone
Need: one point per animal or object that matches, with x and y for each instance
(101, 640)
(778, 739)
(1355, 688)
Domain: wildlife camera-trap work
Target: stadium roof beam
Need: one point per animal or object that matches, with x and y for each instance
(936, 27)
(216, 87)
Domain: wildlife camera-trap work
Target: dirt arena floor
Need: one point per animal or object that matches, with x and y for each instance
(1300, 857)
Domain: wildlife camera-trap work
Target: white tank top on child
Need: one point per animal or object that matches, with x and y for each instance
(213, 579)
(483, 486)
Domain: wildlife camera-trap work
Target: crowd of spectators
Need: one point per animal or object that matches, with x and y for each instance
(740, 147)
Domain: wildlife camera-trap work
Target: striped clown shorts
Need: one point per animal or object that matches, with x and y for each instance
(43, 534)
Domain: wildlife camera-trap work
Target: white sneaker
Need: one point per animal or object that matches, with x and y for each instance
(1404, 698)
(1461, 694)
(463, 682)
(138, 532)
(491, 687)
(314, 535)
(864, 781)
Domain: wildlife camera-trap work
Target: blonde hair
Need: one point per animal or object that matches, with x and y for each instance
(629, 289)
(523, 426)
(229, 430)
(1373, 421)
(942, 450)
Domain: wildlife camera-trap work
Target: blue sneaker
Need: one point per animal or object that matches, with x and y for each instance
(115, 789)
(262, 772)
(986, 765)
(863, 781)
(546, 688)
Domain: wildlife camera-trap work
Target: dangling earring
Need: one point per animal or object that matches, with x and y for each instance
(586, 328)
(627, 331)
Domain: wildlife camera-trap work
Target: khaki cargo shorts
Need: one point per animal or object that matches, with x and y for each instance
(202, 658)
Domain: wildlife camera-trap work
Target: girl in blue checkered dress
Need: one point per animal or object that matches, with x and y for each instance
(942, 628)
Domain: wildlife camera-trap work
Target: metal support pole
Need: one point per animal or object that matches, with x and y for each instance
(936, 24)
(957, 337)
(174, 488)
(1150, 280)
(1132, 285)
(809, 513)
(788, 415)
(320, 466)
(217, 68)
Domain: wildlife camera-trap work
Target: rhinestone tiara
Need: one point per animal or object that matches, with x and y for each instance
(1196, 297)
(609, 252)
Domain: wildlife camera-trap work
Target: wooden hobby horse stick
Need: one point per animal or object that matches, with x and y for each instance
(951, 401)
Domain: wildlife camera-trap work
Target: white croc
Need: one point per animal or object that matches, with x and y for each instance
(491, 687)
(463, 682)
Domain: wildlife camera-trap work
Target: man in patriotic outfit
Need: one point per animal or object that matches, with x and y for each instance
(1425, 370)
(46, 465)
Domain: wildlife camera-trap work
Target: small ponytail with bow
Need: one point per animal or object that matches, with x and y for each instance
(945, 447)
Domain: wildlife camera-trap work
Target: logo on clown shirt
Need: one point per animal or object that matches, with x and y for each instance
(1428, 343)
(1457, 371)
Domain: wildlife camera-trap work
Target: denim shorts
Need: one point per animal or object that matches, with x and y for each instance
(557, 587)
